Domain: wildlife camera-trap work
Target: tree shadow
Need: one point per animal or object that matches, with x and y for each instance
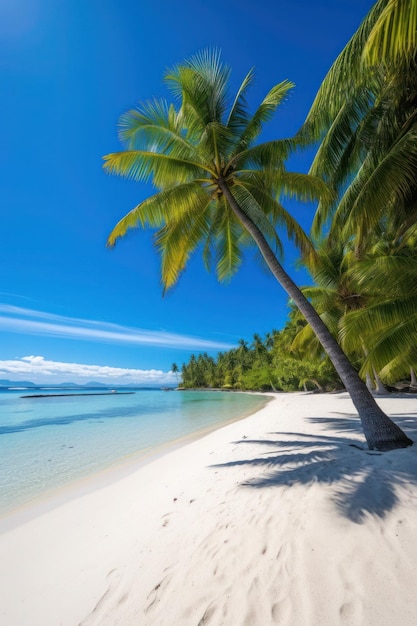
(352, 423)
(363, 482)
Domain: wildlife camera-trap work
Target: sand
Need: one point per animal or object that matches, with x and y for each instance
(281, 518)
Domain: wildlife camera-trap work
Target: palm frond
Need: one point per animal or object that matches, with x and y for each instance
(201, 84)
(325, 269)
(399, 366)
(156, 114)
(164, 169)
(255, 212)
(214, 141)
(380, 318)
(377, 185)
(155, 127)
(394, 34)
(343, 128)
(270, 154)
(393, 274)
(303, 187)
(342, 80)
(390, 351)
(228, 251)
(306, 342)
(238, 115)
(177, 240)
(323, 296)
(263, 113)
(278, 215)
(166, 205)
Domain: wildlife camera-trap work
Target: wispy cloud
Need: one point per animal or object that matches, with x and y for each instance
(30, 322)
(14, 295)
(41, 371)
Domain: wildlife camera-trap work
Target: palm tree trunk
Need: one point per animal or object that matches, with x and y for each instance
(380, 431)
(413, 381)
(380, 387)
(316, 382)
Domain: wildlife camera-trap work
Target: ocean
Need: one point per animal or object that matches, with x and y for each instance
(49, 442)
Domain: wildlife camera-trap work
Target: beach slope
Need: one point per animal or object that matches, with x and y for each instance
(281, 518)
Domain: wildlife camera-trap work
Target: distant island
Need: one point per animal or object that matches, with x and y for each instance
(25, 384)
(90, 393)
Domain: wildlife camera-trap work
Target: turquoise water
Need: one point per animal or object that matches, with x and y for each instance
(49, 442)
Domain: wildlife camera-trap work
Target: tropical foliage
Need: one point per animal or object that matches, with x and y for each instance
(394, 33)
(267, 364)
(389, 321)
(194, 154)
(217, 190)
(365, 115)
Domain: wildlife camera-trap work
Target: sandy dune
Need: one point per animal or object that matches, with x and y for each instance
(281, 518)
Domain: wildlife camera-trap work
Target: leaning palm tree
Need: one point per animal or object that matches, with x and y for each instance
(217, 189)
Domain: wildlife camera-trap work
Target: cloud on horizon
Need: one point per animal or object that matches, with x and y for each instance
(30, 322)
(39, 370)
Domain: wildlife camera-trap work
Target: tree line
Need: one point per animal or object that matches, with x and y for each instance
(267, 364)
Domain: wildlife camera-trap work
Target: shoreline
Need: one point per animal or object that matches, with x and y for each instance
(85, 484)
(273, 519)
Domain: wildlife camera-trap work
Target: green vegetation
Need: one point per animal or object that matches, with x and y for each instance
(365, 117)
(267, 364)
(218, 191)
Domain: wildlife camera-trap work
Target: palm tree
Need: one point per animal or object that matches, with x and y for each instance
(243, 345)
(216, 188)
(260, 350)
(292, 368)
(175, 370)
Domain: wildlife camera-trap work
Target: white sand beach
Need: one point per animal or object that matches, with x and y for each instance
(281, 518)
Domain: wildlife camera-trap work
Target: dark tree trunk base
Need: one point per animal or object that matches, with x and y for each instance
(385, 445)
(381, 433)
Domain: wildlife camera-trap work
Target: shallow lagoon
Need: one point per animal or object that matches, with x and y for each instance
(52, 441)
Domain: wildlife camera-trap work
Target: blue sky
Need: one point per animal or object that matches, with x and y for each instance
(68, 70)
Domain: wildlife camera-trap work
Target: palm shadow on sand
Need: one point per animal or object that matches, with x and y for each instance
(364, 482)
